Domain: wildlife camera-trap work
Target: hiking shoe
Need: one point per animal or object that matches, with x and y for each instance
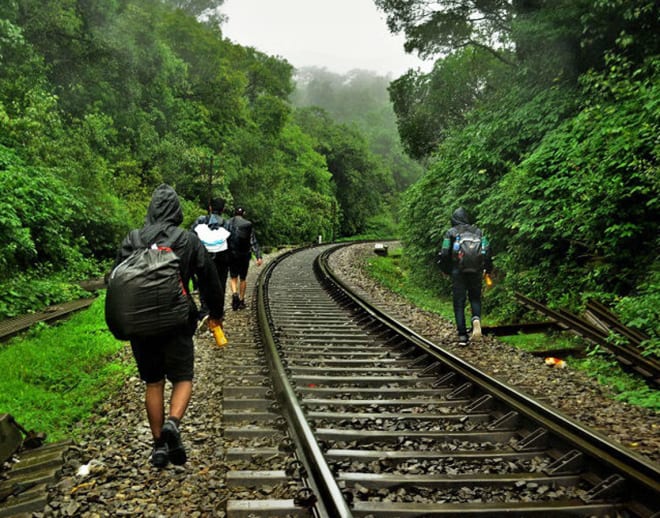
(159, 457)
(241, 304)
(462, 340)
(476, 328)
(176, 451)
(235, 301)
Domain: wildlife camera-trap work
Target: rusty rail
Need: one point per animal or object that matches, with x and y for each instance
(629, 357)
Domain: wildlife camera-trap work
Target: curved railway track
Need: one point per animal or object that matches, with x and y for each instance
(331, 408)
(388, 424)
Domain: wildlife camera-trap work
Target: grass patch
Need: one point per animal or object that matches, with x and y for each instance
(53, 377)
(628, 387)
(533, 342)
(390, 271)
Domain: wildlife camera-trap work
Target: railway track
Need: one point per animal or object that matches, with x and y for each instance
(388, 424)
(332, 409)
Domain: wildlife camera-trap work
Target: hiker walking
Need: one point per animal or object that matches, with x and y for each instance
(168, 355)
(465, 255)
(212, 229)
(242, 243)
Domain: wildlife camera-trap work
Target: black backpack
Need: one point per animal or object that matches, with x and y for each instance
(241, 236)
(146, 295)
(468, 251)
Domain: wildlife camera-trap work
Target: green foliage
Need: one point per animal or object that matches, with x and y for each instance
(393, 272)
(54, 377)
(102, 101)
(38, 211)
(359, 99)
(360, 183)
(641, 310)
(586, 197)
(433, 28)
(428, 106)
(627, 387)
(381, 226)
(562, 175)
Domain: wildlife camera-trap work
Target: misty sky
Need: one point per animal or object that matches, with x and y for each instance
(339, 35)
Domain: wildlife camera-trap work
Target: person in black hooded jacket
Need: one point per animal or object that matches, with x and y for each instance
(171, 356)
(465, 285)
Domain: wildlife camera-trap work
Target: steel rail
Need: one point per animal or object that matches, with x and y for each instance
(643, 475)
(627, 356)
(332, 503)
(603, 313)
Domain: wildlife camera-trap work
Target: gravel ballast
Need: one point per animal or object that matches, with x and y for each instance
(108, 473)
(571, 391)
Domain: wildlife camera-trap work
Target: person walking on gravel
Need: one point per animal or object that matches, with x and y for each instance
(242, 243)
(219, 253)
(465, 255)
(171, 356)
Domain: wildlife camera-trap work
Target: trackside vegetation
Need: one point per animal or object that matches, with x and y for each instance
(542, 120)
(102, 101)
(393, 272)
(55, 376)
(540, 117)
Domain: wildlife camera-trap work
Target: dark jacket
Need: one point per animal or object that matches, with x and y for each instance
(162, 225)
(232, 226)
(460, 222)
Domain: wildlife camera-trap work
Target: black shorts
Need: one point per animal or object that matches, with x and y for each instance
(165, 356)
(238, 266)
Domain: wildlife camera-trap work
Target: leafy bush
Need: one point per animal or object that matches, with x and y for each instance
(642, 310)
(55, 376)
(33, 291)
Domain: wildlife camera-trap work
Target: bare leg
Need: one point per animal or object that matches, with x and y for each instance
(243, 288)
(154, 403)
(181, 394)
(233, 282)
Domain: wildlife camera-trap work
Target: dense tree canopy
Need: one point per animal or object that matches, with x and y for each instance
(360, 100)
(540, 117)
(102, 101)
(542, 120)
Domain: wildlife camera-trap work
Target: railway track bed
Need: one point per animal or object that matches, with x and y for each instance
(374, 395)
(392, 430)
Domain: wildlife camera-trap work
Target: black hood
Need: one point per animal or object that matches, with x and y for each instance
(460, 217)
(164, 207)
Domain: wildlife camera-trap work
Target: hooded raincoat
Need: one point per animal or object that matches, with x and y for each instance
(164, 216)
